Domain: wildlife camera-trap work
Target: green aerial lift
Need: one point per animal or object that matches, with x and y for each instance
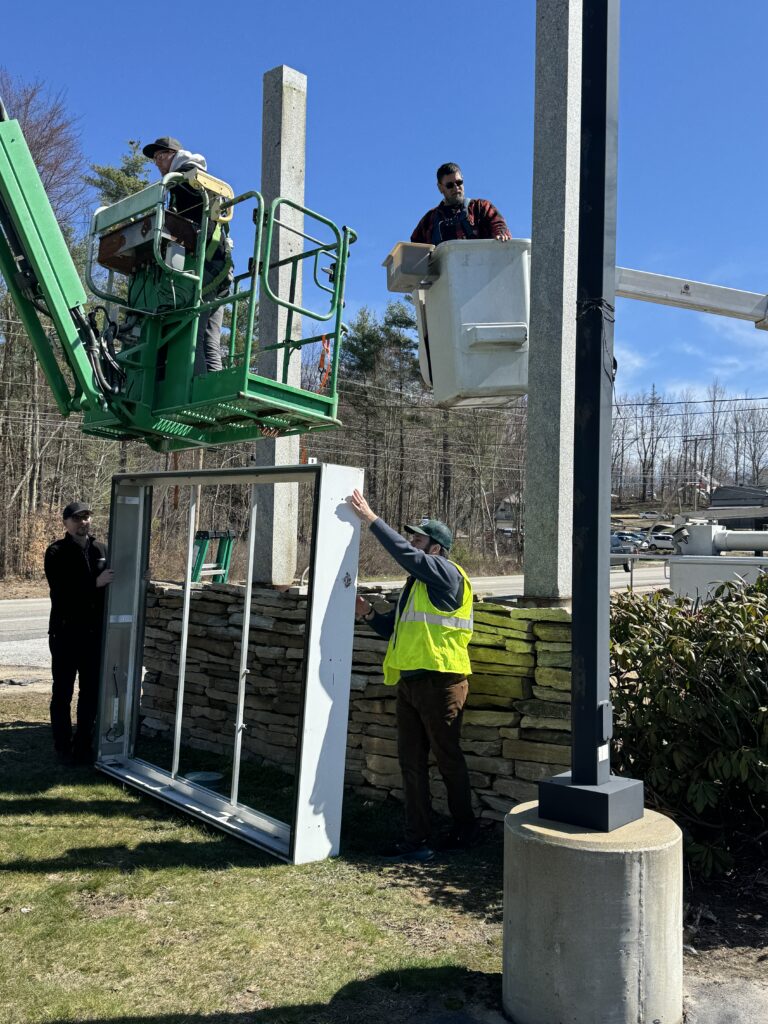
(128, 365)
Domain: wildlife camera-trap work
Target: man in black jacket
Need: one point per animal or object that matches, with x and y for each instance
(75, 568)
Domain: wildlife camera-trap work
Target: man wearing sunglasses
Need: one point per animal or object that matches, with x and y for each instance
(77, 573)
(458, 217)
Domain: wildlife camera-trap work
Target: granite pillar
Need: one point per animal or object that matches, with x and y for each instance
(283, 150)
(554, 265)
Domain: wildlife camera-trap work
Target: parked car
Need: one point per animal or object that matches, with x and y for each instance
(619, 548)
(661, 542)
(650, 515)
(620, 545)
(638, 539)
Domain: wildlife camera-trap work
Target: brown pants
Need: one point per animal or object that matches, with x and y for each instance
(429, 712)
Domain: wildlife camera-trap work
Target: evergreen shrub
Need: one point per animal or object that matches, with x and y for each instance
(690, 692)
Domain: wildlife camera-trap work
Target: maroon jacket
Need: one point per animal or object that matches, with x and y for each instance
(448, 222)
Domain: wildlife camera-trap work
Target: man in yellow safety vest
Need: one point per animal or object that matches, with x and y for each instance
(429, 631)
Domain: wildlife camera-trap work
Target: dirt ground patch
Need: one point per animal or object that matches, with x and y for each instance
(16, 589)
(726, 926)
(15, 679)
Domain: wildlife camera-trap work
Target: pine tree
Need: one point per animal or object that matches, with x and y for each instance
(113, 183)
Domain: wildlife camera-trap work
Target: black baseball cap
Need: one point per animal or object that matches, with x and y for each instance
(435, 530)
(75, 508)
(164, 142)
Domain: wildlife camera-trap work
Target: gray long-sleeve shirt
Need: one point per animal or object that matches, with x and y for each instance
(445, 584)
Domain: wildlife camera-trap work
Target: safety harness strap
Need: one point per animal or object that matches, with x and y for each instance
(210, 252)
(461, 218)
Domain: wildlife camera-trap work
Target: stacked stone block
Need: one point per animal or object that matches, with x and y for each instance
(275, 655)
(516, 724)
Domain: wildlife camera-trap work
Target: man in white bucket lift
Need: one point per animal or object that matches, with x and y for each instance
(429, 631)
(458, 217)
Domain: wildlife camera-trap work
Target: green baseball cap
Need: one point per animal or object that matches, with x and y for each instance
(435, 530)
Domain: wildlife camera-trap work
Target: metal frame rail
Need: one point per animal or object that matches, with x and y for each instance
(313, 832)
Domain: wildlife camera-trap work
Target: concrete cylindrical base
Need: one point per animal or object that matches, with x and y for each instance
(593, 930)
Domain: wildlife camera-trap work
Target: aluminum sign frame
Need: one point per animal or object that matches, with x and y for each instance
(322, 729)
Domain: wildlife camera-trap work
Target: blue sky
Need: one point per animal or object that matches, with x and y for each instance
(396, 89)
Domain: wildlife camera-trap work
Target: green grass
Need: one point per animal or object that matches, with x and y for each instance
(268, 788)
(115, 909)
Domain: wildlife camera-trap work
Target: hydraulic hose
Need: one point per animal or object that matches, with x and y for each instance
(107, 354)
(93, 353)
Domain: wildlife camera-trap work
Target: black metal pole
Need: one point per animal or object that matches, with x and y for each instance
(588, 795)
(594, 393)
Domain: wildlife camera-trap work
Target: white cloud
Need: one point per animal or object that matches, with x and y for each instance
(740, 332)
(742, 273)
(631, 361)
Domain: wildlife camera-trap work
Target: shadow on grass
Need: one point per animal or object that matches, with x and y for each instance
(214, 852)
(429, 995)
(29, 766)
(469, 882)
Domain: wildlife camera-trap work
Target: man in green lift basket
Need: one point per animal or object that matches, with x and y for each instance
(170, 157)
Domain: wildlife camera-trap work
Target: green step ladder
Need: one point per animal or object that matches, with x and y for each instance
(218, 569)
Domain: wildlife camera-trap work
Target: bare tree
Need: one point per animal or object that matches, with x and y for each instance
(622, 442)
(756, 444)
(53, 138)
(28, 418)
(651, 425)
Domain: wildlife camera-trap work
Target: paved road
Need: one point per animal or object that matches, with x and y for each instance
(24, 632)
(644, 576)
(24, 620)
(24, 624)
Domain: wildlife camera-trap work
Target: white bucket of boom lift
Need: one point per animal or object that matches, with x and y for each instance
(472, 310)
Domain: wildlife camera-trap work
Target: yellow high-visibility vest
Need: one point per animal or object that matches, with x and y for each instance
(426, 637)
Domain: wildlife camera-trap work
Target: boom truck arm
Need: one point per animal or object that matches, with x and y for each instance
(128, 366)
(686, 294)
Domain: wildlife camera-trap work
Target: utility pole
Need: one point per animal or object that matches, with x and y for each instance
(694, 439)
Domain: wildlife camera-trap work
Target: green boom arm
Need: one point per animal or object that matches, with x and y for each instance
(40, 273)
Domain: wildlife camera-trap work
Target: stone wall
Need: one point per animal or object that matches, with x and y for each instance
(516, 724)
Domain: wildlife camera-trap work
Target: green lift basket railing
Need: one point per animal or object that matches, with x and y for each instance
(218, 569)
(128, 365)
